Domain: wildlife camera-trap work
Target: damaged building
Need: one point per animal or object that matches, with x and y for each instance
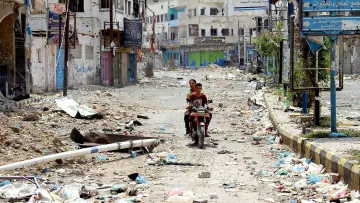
(14, 47)
(91, 61)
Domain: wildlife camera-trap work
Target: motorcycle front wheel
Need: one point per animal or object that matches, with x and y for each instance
(201, 135)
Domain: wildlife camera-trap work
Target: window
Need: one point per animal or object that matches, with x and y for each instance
(157, 18)
(213, 11)
(89, 52)
(166, 17)
(213, 32)
(241, 31)
(128, 7)
(195, 12)
(172, 36)
(232, 32)
(39, 55)
(162, 6)
(75, 5)
(203, 33)
(225, 32)
(172, 17)
(202, 11)
(190, 13)
(162, 18)
(120, 4)
(104, 4)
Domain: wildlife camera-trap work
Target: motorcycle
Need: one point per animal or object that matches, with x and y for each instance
(199, 116)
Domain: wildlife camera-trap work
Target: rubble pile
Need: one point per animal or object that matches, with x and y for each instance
(292, 179)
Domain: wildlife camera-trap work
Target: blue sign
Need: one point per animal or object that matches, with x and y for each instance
(330, 24)
(330, 5)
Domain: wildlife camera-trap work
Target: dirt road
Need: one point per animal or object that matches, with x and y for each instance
(229, 155)
(163, 100)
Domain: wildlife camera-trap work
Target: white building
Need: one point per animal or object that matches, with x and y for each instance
(201, 33)
(90, 59)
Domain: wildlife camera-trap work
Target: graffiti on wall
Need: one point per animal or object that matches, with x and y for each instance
(83, 68)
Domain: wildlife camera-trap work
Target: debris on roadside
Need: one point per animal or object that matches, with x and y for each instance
(75, 109)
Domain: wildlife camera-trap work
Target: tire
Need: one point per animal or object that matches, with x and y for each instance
(201, 136)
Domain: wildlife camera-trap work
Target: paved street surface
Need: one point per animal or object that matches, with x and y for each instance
(239, 171)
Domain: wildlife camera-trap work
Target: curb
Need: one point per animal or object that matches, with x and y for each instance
(348, 172)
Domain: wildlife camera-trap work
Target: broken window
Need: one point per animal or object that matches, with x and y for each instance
(75, 5)
(203, 32)
(105, 4)
(225, 32)
(213, 11)
(213, 32)
(202, 11)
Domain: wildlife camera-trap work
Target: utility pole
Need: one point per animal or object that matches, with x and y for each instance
(245, 55)
(66, 49)
(111, 47)
(239, 33)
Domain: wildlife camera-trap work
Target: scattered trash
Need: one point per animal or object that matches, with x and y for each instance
(224, 152)
(162, 127)
(101, 158)
(133, 154)
(204, 175)
(75, 109)
(143, 117)
(137, 178)
(118, 188)
(174, 192)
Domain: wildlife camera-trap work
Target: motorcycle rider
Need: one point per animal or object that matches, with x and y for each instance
(192, 84)
(199, 99)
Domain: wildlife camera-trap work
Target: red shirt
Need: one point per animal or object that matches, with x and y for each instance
(198, 101)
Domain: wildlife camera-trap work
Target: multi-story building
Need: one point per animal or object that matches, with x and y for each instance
(200, 32)
(90, 60)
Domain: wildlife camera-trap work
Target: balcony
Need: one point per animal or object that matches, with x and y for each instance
(174, 23)
(187, 21)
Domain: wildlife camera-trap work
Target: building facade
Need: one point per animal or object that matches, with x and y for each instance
(14, 47)
(93, 58)
(203, 32)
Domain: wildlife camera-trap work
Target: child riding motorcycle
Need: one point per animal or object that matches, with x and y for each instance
(199, 99)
